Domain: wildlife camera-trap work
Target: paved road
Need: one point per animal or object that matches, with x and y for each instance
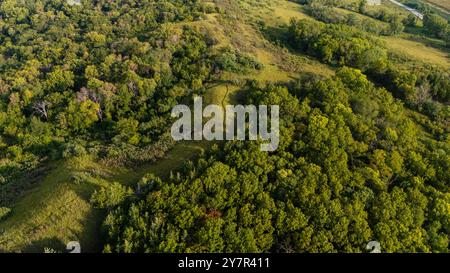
(413, 11)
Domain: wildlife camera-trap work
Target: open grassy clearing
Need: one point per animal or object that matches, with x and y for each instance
(285, 10)
(55, 212)
(418, 51)
(444, 4)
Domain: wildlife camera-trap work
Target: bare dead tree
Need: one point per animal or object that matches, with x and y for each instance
(95, 98)
(423, 93)
(100, 113)
(41, 108)
(86, 94)
(132, 87)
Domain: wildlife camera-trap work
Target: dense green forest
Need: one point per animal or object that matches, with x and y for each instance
(364, 148)
(100, 79)
(349, 169)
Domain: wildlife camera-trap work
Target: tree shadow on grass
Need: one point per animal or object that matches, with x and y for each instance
(39, 246)
(277, 35)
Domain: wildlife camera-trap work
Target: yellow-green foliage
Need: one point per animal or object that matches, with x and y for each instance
(58, 210)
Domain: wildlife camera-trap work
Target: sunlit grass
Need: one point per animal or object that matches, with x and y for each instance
(418, 51)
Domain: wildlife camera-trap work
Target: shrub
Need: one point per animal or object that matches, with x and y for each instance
(110, 196)
(4, 212)
(234, 61)
(73, 150)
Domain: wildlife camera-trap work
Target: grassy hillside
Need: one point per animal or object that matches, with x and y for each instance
(417, 49)
(56, 211)
(441, 3)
